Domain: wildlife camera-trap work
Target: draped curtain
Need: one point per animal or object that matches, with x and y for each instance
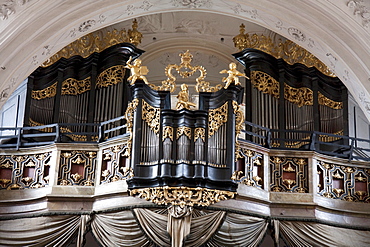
(147, 227)
(297, 233)
(43, 231)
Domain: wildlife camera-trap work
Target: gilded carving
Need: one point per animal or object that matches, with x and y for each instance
(232, 75)
(343, 182)
(167, 133)
(299, 96)
(183, 130)
(72, 86)
(287, 50)
(129, 115)
(185, 70)
(77, 168)
(74, 137)
(48, 92)
(96, 42)
(183, 99)
(110, 76)
(137, 71)
(151, 116)
(182, 196)
(239, 120)
(289, 174)
(115, 168)
(251, 168)
(329, 103)
(24, 171)
(265, 83)
(199, 133)
(216, 118)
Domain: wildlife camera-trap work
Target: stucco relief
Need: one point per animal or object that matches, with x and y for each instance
(193, 4)
(8, 7)
(4, 94)
(131, 9)
(196, 26)
(364, 101)
(150, 23)
(360, 9)
(238, 9)
(297, 34)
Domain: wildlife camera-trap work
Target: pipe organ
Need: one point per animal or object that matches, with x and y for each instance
(80, 92)
(293, 99)
(183, 148)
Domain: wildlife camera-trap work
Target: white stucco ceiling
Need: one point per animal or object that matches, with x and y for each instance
(335, 31)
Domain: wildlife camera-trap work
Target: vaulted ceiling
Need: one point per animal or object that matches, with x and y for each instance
(335, 31)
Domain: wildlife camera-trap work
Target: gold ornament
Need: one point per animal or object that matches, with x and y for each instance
(182, 196)
(287, 50)
(233, 75)
(137, 71)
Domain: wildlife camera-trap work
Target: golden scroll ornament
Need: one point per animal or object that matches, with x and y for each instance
(289, 51)
(182, 196)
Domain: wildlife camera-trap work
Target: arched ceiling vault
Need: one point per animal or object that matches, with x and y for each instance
(335, 31)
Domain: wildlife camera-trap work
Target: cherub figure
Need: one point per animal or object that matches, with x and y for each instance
(233, 75)
(183, 98)
(137, 71)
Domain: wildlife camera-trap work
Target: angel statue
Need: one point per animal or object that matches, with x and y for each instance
(137, 71)
(233, 75)
(183, 98)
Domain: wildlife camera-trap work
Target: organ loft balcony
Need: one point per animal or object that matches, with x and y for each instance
(270, 142)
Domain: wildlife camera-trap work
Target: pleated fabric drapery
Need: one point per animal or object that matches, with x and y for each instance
(156, 228)
(297, 233)
(154, 225)
(147, 227)
(43, 231)
(239, 230)
(118, 229)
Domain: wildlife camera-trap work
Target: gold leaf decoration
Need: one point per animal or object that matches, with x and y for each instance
(299, 96)
(185, 70)
(151, 116)
(329, 103)
(265, 83)
(199, 133)
(239, 120)
(96, 42)
(48, 92)
(289, 51)
(111, 76)
(216, 118)
(73, 86)
(183, 130)
(182, 196)
(129, 115)
(167, 133)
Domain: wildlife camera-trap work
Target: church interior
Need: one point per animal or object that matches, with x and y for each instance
(184, 123)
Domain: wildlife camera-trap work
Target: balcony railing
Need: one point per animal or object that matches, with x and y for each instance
(21, 137)
(325, 143)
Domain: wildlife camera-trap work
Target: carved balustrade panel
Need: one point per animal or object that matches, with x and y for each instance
(289, 174)
(343, 182)
(24, 171)
(249, 168)
(77, 168)
(115, 164)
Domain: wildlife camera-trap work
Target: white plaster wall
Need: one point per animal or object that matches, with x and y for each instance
(359, 126)
(12, 112)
